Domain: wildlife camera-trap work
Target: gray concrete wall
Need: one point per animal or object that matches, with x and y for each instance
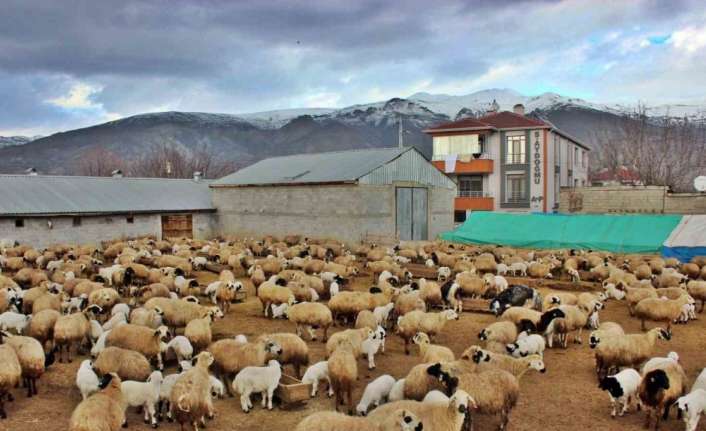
(205, 225)
(348, 213)
(92, 230)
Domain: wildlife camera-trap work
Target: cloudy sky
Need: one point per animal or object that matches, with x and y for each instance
(71, 63)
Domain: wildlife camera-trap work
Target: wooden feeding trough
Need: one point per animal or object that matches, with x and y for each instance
(476, 305)
(292, 392)
(421, 271)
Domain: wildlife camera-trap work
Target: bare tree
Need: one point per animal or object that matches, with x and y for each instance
(169, 161)
(99, 162)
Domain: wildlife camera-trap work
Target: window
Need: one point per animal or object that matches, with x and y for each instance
(459, 216)
(576, 183)
(130, 219)
(515, 150)
(576, 155)
(584, 159)
(515, 188)
(457, 144)
(557, 150)
(19, 222)
(470, 186)
(76, 221)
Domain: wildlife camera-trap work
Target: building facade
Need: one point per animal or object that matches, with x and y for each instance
(506, 161)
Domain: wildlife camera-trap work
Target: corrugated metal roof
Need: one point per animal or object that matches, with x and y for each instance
(411, 166)
(43, 194)
(317, 168)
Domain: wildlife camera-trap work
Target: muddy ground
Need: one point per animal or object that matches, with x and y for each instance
(565, 398)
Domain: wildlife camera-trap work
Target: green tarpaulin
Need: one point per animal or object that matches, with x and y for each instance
(616, 233)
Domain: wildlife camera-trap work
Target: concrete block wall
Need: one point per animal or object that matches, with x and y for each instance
(441, 219)
(92, 230)
(204, 225)
(631, 200)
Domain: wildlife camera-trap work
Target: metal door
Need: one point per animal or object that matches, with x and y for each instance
(412, 208)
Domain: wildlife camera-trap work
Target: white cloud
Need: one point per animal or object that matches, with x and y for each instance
(322, 100)
(79, 97)
(690, 39)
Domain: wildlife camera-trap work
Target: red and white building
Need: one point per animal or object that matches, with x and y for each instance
(506, 161)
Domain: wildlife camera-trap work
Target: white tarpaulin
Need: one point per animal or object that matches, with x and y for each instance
(688, 239)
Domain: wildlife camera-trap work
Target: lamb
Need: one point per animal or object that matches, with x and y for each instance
(432, 352)
(628, 350)
(562, 321)
(606, 329)
(533, 344)
(115, 321)
(660, 310)
(382, 314)
(659, 389)
(144, 395)
(612, 291)
(375, 393)
(10, 373)
(294, 352)
(309, 315)
(435, 416)
(316, 373)
(622, 388)
(127, 364)
(518, 267)
(257, 379)
(32, 359)
(230, 356)
(182, 348)
(419, 321)
(693, 405)
(397, 391)
(700, 382)
(190, 398)
(104, 410)
(15, 321)
(99, 344)
(400, 420)
(370, 346)
(443, 273)
(654, 363)
(86, 379)
(343, 372)
(140, 339)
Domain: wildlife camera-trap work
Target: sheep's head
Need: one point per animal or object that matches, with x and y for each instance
(483, 334)
(273, 348)
(161, 332)
(204, 359)
(451, 315)
(664, 334)
(408, 421)
(462, 402)
(536, 363)
(420, 338)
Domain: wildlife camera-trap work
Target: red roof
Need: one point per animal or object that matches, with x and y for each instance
(466, 123)
(509, 120)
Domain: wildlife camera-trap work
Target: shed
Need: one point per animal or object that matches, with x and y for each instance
(385, 195)
(44, 209)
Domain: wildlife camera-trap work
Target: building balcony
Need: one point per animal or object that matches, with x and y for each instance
(473, 166)
(472, 200)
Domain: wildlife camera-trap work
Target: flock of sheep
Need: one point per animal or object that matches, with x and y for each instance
(131, 307)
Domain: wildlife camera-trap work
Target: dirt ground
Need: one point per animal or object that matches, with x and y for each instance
(566, 397)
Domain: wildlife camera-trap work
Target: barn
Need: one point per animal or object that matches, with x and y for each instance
(41, 209)
(382, 195)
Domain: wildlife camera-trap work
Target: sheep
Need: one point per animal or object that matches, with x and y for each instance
(518, 267)
(86, 379)
(622, 387)
(257, 379)
(418, 382)
(353, 336)
(700, 382)
(366, 319)
(660, 310)
(349, 304)
(343, 372)
(431, 352)
(104, 410)
(606, 329)
(633, 295)
(15, 321)
(115, 321)
(434, 416)
(127, 364)
(522, 316)
(494, 391)
(693, 405)
(182, 348)
(562, 321)
(145, 317)
(407, 302)
(539, 270)
(514, 296)
(397, 391)
(697, 290)
(627, 350)
(400, 420)
(419, 321)
(375, 393)
(190, 398)
(198, 331)
(471, 285)
(270, 293)
(372, 344)
(612, 291)
(443, 273)
(68, 330)
(10, 373)
(515, 366)
(382, 314)
(105, 298)
(314, 374)
(144, 395)
(32, 359)
(309, 315)
(654, 363)
(294, 352)
(659, 389)
(533, 344)
(231, 355)
(498, 332)
(140, 339)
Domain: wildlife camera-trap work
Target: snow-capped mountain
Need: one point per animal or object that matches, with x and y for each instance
(7, 141)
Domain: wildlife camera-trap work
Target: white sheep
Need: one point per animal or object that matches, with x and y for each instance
(397, 391)
(86, 379)
(99, 345)
(372, 344)
(75, 304)
(692, 406)
(443, 273)
(120, 308)
(115, 321)
(525, 345)
(279, 311)
(613, 292)
(16, 321)
(574, 274)
(622, 387)
(382, 314)
(257, 379)
(316, 373)
(518, 267)
(658, 362)
(334, 288)
(182, 348)
(375, 393)
(144, 395)
(436, 396)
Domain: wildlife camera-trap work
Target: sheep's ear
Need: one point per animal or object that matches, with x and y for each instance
(105, 381)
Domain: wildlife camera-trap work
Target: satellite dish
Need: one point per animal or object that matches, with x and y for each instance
(700, 183)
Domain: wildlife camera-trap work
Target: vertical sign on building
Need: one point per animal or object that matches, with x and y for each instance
(536, 199)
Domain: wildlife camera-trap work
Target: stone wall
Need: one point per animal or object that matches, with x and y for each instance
(630, 200)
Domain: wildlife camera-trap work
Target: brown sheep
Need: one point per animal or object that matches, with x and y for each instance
(104, 410)
(190, 398)
(343, 372)
(10, 373)
(128, 364)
